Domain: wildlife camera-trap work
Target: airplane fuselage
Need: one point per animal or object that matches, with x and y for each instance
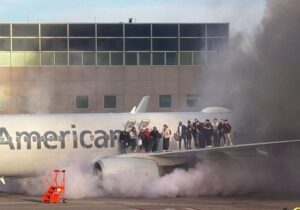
(31, 144)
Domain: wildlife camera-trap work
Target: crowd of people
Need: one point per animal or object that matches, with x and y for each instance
(204, 134)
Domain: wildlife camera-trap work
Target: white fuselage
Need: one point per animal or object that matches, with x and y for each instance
(31, 144)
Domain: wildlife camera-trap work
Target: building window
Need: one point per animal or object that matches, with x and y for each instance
(116, 58)
(103, 59)
(89, 58)
(4, 59)
(110, 101)
(192, 101)
(172, 58)
(186, 58)
(158, 58)
(24, 103)
(82, 102)
(2, 102)
(144, 58)
(165, 101)
(47, 58)
(199, 58)
(75, 58)
(131, 58)
(61, 58)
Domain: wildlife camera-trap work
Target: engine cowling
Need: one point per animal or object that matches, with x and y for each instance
(140, 167)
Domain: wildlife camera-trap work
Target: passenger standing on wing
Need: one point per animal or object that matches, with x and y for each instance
(221, 129)
(215, 125)
(195, 133)
(133, 139)
(200, 131)
(189, 131)
(147, 139)
(142, 137)
(207, 131)
(123, 140)
(166, 134)
(155, 135)
(181, 132)
(227, 130)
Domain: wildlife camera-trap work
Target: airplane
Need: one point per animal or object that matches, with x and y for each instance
(33, 144)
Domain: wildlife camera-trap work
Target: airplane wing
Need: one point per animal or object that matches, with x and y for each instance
(151, 163)
(235, 151)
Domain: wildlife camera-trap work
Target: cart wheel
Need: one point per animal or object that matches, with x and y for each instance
(64, 200)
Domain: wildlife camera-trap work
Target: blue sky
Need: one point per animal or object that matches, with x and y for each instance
(243, 15)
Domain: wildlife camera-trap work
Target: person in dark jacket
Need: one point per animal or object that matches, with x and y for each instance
(201, 138)
(155, 135)
(124, 139)
(227, 131)
(207, 131)
(221, 129)
(147, 139)
(195, 133)
(143, 138)
(181, 132)
(189, 134)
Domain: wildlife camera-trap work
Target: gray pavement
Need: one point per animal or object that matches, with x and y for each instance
(17, 201)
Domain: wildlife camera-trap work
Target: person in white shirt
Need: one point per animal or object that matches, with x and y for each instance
(166, 135)
(216, 140)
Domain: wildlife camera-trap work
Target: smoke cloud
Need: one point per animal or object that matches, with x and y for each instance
(260, 82)
(236, 176)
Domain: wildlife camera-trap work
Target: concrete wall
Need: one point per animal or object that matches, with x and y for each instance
(54, 89)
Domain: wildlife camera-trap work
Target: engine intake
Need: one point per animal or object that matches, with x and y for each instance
(140, 167)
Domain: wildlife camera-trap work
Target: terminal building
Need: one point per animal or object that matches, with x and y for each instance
(103, 67)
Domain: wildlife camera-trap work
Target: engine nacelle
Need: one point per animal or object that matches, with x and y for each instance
(130, 166)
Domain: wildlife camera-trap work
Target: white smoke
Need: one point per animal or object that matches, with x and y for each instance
(233, 176)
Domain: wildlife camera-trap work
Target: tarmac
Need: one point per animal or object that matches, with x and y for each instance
(249, 202)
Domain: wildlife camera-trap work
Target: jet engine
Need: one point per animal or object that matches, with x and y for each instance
(131, 166)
